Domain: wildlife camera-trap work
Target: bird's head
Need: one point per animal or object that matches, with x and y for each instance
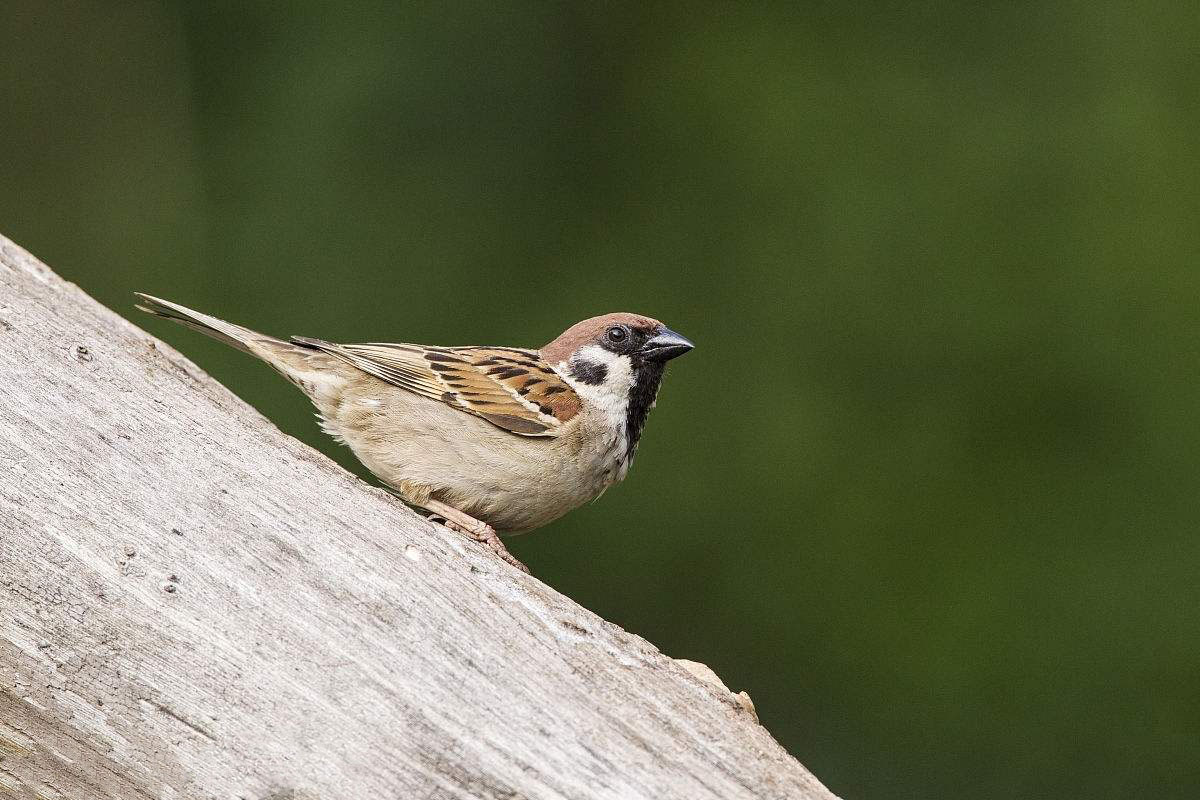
(616, 362)
(613, 346)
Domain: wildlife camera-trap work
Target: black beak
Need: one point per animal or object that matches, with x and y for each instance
(665, 345)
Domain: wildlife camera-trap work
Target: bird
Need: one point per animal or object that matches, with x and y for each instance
(486, 440)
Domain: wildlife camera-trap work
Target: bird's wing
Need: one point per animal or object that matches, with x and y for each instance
(509, 387)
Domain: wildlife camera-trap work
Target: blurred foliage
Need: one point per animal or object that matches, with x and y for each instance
(927, 486)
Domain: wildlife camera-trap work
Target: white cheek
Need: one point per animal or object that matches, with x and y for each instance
(619, 379)
(609, 399)
(612, 392)
(610, 396)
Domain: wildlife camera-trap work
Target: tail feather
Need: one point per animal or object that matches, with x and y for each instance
(222, 331)
(308, 363)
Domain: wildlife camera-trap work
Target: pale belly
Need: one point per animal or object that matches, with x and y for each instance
(426, 449)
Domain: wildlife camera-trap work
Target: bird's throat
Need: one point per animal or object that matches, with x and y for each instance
(642, 393)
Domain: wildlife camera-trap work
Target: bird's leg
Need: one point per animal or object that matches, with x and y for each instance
(456, 520)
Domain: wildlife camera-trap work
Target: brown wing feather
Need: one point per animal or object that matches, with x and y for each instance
(511, 388)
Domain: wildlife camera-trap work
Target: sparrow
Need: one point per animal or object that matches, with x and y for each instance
(485, 439)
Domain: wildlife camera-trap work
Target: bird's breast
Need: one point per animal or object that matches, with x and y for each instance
(603, 454)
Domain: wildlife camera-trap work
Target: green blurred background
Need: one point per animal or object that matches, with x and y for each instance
(927, 488)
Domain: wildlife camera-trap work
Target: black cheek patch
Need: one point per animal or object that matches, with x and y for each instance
(588, 372)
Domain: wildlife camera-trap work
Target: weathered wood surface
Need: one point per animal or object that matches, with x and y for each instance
(195, 605)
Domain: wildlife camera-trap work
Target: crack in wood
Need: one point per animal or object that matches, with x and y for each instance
(175, 715)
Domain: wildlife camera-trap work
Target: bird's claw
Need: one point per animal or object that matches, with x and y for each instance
(484, 534)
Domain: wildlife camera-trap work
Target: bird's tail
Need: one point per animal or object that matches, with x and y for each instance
(232, 335)
(319, 374)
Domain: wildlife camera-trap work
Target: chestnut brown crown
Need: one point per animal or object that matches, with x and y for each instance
(623, 333)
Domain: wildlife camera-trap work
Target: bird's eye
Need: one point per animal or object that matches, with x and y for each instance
(617, 333)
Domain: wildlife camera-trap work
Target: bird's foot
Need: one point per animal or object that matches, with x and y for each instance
(480, 531)
(486, 534)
